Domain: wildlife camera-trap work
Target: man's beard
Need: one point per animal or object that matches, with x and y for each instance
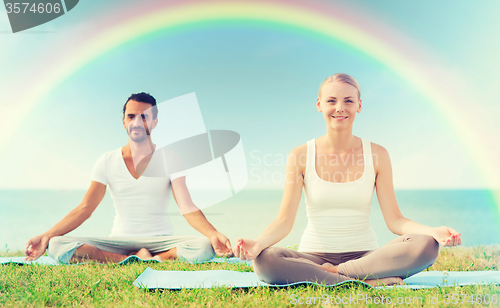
(139, 138)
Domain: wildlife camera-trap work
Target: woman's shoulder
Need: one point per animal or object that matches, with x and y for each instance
(378, 149)
(298, 156)
(380, 156)
(301, 149)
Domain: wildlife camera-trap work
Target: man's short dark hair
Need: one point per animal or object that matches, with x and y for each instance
(143, 98)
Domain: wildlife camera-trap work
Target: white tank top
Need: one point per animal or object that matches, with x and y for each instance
(338, 213)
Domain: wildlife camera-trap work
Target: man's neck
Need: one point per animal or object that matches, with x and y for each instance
(139, 149)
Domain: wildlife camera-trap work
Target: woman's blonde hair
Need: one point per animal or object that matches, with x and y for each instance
(340, 77)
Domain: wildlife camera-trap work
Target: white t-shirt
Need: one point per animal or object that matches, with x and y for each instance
(140, 204)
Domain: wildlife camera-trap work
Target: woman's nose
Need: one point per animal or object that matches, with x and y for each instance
(339, 107)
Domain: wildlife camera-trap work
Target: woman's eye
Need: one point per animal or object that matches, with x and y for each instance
(349, 101)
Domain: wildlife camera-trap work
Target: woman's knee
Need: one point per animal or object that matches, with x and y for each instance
(266, 255)
(265, 265)
(425, 247)
(266, 260)
(431, 248)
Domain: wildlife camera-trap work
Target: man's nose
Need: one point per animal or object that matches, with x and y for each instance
(137, 121)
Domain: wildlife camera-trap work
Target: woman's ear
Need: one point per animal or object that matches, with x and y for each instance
(318, 104)
(359, 108)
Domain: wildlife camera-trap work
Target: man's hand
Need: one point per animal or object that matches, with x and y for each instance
(446, 236)
(221, 244)
(35, 247)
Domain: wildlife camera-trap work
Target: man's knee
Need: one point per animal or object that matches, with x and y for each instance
(200, 250)
(60, 248)
(206, 250)
(55, 243)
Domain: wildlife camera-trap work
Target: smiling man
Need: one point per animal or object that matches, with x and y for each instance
(141, 226)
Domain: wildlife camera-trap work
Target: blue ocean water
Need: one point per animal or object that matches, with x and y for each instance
(26, 213)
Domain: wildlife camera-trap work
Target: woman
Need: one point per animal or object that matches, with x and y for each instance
(339, 172)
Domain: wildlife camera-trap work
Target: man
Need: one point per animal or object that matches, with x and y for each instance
(141, 225)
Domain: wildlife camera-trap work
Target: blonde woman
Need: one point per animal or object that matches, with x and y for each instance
(339, 173)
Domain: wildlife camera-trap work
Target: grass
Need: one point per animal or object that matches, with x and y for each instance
(94, 285)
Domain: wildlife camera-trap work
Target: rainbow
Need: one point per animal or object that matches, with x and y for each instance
(135, 22)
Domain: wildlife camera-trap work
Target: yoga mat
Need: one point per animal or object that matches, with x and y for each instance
(49, 261)
(447, 278)
(20, 261)
(130, 259)
(233, 260)
(153, 279)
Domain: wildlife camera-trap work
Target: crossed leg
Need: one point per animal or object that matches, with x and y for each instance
(165, 255)
(402, 257)
(276, 265)
(114, 249)
(89, 252)
(398, 259)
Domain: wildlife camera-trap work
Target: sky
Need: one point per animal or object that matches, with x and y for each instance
(261, 81)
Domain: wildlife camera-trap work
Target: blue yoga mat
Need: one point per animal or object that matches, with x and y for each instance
(447, 278)
(49, 261)
(153, 279)
(21, 261)
(130, 259)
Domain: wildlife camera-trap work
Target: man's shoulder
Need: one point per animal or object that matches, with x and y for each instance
(111, 155)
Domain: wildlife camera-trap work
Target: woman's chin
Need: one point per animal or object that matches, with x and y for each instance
(340, 126)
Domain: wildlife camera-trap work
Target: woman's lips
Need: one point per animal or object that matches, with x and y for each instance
(340, 118)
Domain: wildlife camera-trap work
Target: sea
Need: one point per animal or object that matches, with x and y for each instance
(26, 213)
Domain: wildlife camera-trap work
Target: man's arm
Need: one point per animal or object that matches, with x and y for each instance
(37, 245)
(196, 219)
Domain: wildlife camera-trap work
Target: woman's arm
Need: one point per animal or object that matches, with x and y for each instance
(395, 221)
(282, 225)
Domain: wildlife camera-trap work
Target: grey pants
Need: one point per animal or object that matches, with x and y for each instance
(402, 257)
(191, 248)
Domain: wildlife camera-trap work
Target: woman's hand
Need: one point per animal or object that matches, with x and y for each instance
(446, 236)
(246, 249)
(35, 247)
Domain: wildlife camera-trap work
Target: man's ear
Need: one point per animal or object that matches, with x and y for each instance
(318, 107)
(124, 125)
(155, 122)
